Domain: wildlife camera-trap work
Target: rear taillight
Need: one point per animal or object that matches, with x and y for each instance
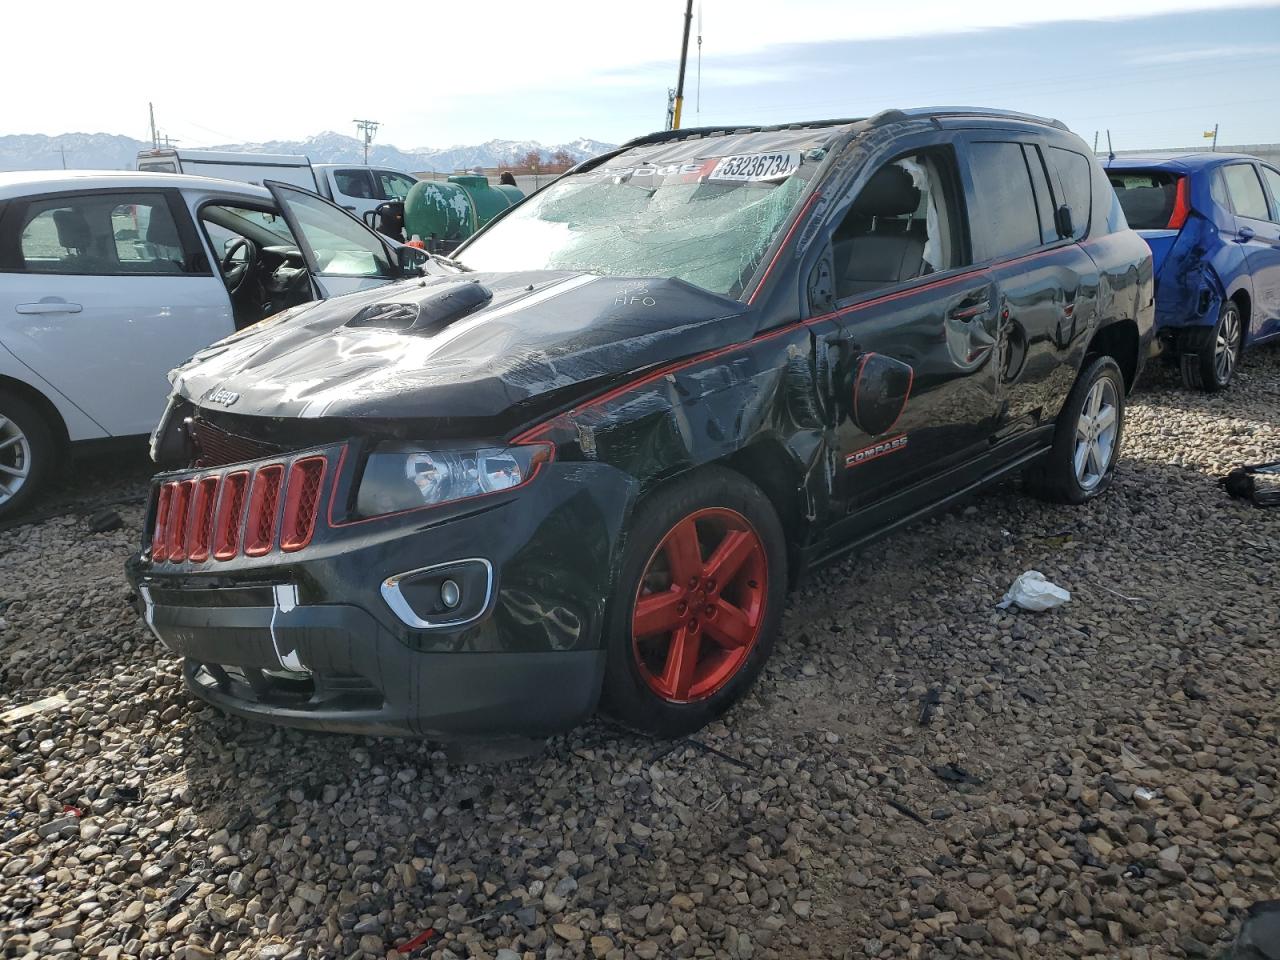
(264, 498)
(301, 504)
(1181, 205)
(229, 518)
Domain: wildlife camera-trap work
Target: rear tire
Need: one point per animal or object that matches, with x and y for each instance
(28, 454)
(1209, 356)
(682, 645)
(1086, 441)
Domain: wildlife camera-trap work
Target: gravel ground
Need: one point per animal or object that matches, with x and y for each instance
(917, 775)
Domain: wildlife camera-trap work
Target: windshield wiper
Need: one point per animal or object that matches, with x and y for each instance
(452, 263)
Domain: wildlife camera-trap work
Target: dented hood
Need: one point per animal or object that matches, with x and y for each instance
(497, 347)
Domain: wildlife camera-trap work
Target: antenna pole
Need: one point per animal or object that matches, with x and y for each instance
(1111, 151)
(684, 58)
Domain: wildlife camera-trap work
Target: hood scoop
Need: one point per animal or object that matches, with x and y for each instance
(427, 315)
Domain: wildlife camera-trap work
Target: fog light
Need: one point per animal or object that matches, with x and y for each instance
(450, 594)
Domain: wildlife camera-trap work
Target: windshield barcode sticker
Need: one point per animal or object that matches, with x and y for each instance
(756, 166)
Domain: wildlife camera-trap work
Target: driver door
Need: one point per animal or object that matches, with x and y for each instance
(341, 253)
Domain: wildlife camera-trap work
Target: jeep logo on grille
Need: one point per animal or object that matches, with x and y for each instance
(223, 396)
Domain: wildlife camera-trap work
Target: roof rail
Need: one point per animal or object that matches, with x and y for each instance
(665, 136)
(894, 116)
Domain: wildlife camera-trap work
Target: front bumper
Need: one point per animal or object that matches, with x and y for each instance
(308, 639)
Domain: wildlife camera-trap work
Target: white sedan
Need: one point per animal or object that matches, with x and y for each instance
(109, 280)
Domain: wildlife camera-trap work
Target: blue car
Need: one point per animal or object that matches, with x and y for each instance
(1212, 221)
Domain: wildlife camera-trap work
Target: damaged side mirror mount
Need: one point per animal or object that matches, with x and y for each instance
(1062, 216)
(411, 261)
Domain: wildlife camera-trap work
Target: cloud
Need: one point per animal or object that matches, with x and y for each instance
(1194, 54)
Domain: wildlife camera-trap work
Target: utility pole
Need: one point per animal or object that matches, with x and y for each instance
(367, 129)
(1215, 138)
(684, 57)
(698, 101)
(155, 138)
(63, 150)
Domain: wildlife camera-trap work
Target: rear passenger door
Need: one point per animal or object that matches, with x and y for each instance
(1046, 286)
(1260, 236)
(103, 293)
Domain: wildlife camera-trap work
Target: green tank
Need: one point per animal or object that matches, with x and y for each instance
(443, 213)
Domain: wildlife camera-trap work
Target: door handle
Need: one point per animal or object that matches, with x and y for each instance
(49, 306)
(1245, 234)
(971, 311)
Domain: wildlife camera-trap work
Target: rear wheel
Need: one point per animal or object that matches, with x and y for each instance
(1086, 440)
(698, 603)
(27, 453)
(1209, 357)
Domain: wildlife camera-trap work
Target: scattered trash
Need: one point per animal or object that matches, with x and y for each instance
(105, 521)
(906, 811)
(73, 810)
(1031, 591)
(930, 700)
(36, 706)
(420, 940)
(954, 773)
(129, 794)
(1259, 936)
(1143, 797)
(1242, 483)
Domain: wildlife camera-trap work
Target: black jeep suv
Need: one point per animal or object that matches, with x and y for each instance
(584, 461)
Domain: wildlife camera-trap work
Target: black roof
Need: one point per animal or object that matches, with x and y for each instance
(882, 118)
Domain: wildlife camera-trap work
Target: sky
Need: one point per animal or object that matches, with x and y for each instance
(1154, 72)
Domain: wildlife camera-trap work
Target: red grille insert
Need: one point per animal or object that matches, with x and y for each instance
(179, 504)
(218, 447)
(202, 506)
(264, 498)
(159, 547)
(301, 503)
(230, 515)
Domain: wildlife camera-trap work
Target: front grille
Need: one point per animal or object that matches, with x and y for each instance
(216, 447)
(225, 515)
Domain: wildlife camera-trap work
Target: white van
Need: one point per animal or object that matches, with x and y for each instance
(353, 186)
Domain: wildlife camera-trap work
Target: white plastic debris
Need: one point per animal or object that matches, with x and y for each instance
(1031, 591)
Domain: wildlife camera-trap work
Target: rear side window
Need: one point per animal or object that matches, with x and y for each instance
(1044, 196)
(101, 235)
(1273, 184)
(1003, 214)
(1074, 174)
(1147, 196)
(354, 183)
(1246, 191)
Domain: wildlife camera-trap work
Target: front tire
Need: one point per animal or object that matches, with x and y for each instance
(1209, 357)
(1086, 441)
(698, 603)
(27, 454)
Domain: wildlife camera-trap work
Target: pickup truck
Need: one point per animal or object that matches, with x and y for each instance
(353, 186)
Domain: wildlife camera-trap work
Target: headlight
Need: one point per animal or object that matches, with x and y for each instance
(406, 480)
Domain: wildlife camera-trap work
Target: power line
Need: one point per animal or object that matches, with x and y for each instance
(367, 129)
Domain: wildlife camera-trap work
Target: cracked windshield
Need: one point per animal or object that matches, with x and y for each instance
(706, 221)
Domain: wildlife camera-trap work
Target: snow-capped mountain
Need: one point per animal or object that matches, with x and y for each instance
(111, 152)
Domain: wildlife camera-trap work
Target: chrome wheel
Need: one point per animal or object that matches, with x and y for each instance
(1226, 348)
(1096, 433)
(15, 459)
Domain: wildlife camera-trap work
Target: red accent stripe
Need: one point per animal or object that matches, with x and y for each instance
(301, 503)
(786, 242)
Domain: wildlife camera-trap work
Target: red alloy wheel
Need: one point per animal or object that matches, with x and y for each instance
(696, 620)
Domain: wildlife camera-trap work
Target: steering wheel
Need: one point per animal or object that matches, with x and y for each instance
(236, 275)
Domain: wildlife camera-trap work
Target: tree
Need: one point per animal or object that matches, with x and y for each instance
(531, 161)
(561, 161)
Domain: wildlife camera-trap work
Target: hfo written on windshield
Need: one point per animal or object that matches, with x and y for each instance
(743, 168)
